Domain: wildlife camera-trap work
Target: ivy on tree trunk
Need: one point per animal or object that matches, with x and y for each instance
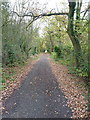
(73, 35)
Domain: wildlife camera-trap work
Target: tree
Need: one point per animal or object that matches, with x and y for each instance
(72, 30)
(55, 31)
(73, 25)
(16, 39)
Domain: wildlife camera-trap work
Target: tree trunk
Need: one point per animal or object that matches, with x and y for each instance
(52, 46)
(89, 59)
(89, 43)
(89, 63)
(51, 41)
(72, 34)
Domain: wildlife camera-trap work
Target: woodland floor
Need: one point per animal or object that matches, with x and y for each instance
(44, 89)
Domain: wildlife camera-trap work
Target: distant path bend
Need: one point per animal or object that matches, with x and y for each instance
(39, 96)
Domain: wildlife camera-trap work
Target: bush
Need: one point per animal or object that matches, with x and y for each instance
(58, 51)
(54, 55)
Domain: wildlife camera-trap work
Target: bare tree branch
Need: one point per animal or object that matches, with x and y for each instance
(85, 12)
(44, 14)
(35, 17)
(54, 14)
(30, 14)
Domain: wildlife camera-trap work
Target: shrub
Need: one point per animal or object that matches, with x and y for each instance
(58, 51)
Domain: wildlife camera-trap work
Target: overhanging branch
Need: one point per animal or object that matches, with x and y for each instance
(54, 14)
(43, 15)
(35, 17)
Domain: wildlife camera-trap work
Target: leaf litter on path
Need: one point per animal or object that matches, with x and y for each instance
(71, 89)
(21, 73)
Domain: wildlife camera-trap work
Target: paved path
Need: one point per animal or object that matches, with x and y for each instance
(38, 96)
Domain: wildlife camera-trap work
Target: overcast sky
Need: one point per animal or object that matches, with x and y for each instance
(52, 4)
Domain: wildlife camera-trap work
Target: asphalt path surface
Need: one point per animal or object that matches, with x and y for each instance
(38, 97)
